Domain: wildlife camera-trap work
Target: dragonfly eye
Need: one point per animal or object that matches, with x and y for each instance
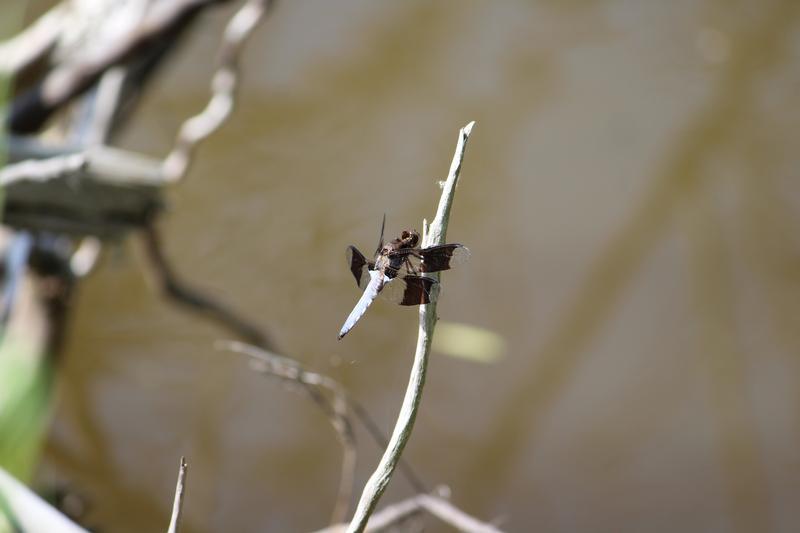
(413, 238)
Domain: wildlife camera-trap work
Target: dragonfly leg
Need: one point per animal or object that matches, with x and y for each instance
(410, 266)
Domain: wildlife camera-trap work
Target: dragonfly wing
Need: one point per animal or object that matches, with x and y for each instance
(359, 266)
(410, 290)
(442, 257)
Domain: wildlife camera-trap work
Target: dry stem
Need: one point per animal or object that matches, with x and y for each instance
(432, 235)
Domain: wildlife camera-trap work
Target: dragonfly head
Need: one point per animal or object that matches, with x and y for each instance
(409, 238)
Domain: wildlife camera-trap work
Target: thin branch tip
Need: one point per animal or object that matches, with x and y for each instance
(177, 504)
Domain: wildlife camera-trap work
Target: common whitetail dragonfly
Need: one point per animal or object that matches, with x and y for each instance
(396, 274)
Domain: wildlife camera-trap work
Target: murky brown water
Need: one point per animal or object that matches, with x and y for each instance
(631, 200)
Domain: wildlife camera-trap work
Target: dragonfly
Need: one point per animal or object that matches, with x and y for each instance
(398, 272)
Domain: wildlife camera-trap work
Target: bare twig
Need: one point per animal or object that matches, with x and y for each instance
(105, 106)
(447, 512)
(43, 169)
(439, 507)
(141, 34)
(83, 52)
(223, 87)
(34, 42)
(177, 504)
(103, 164)
(432, 235)
(335, 408)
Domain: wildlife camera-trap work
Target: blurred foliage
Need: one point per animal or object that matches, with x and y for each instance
(8, 523)
(24, 386)
(23, 380)
(468, 342)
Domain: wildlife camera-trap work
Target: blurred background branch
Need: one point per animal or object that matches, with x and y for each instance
(327, 394)
(223, 86)
(79, 70)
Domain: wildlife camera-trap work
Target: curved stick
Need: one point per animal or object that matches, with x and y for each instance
(432, 235)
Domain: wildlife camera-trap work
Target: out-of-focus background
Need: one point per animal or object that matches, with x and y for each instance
(631, 199)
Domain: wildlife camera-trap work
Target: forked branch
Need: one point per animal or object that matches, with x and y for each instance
(393, 516)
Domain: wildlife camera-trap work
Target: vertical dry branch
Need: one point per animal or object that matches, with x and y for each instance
(432, 235)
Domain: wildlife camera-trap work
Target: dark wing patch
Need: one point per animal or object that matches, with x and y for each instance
(410, 290)
(359, 266)
(442, 257)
